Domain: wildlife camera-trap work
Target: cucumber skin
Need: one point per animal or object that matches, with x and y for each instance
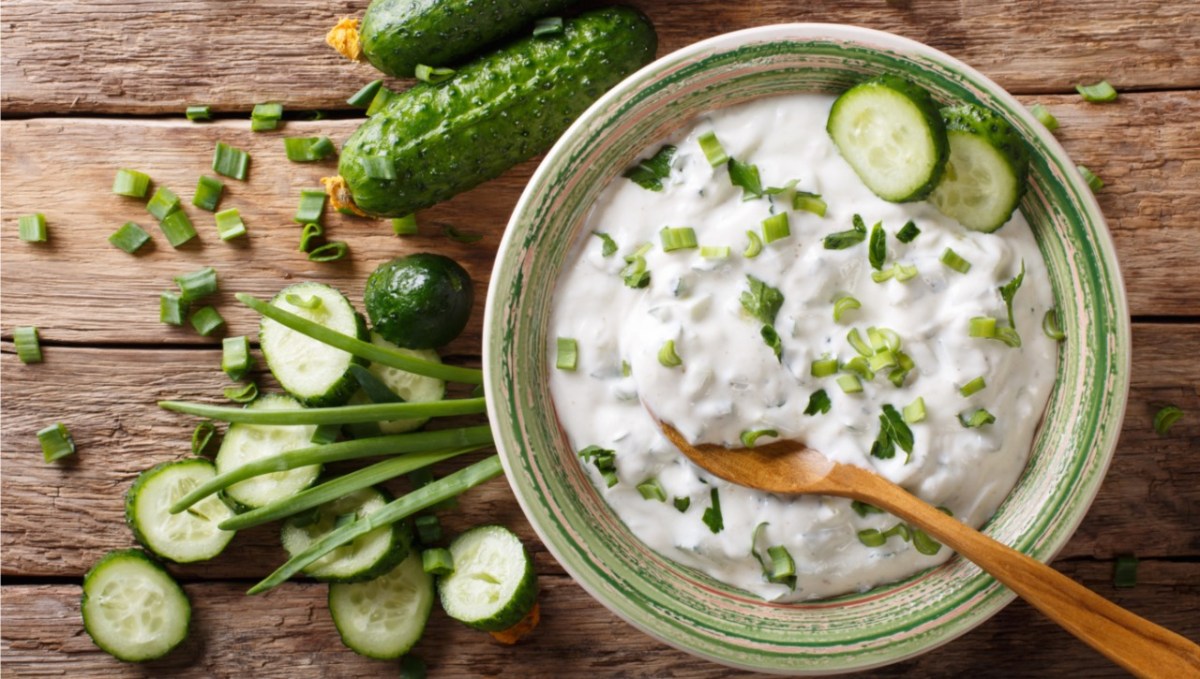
(142, 479)
(143, 556)
(985, 123)
(349, 643)
(518, 607)
(496, 112)
(399, 34)
(402, 538)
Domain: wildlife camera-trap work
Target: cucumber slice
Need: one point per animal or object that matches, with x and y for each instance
(311, 371)
(412, 388)
(247, 442)
(188, 536)
(385, 617)
(132, 608)
(985, 175)
(891, 133)
(493, 585)
(367, 557)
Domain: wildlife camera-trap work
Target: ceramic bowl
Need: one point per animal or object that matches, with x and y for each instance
(688, 609)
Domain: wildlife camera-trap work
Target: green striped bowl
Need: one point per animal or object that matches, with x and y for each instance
(688, 609)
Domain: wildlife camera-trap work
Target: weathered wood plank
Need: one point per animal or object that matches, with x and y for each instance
(288, 633)
(142, 57)
(1145, 147)
(107, 396)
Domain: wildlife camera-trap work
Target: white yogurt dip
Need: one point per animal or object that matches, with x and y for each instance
(730, 381)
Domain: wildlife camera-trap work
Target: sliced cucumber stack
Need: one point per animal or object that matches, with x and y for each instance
(315, 373)
(985, 175)
(188, 536)
(132, 608)
(367, 557)
(408, 386)
(247, 442)
(385, 617)
(493, 585)
(889, 130)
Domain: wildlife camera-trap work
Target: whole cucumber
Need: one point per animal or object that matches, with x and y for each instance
(497, 111)
(399, 34)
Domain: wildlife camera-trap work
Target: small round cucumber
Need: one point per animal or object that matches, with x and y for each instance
(985, 175)
(889, 130)
(493, 585)
(191, 535)
(408, 386)
(315, 373)
(367, 557)
(132, 608)
(247, 442)
(419, 301)
(385, 617)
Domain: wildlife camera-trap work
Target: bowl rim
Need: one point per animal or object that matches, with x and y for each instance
(874, 40)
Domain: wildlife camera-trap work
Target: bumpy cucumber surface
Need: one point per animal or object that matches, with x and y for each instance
(493, 585)
(399, 34)
(132, 608)
(495, 112)
(248, 442)
(385, 617)
(191, 535)
(367, 556)
(985, 175)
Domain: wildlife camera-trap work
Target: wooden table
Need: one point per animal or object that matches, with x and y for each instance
(91, 87)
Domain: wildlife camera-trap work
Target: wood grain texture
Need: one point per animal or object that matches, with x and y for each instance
(116, 56)
(288, 633)
(1146, 147)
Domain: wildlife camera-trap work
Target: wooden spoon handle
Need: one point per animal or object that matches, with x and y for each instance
(1138, 645)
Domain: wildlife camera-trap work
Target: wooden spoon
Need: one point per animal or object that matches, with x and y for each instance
(1138, 645)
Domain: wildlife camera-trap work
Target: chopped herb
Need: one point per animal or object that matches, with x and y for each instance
(982, 326)
(307, 149)
(608, 246)
(761, 301)
(973, 387)
(809, 202)
(651, 489)
(171, 309)
(871, 537)
(326, 433)
(923, 543)
(856, 341)
(750, 437)
(312, 206)
(162, 203)
(667, 356)
(713, 151)
(1166, 418)
(842, 305)
(863, 509)
(776, 227)
(650, 173)
(745, 176)
(877, 248)
(235, 356)
(177, 227)
(849, 384)
(27, 344)
(363, 97)
(824, 367)
(547, 26)
(908, 232)
(383, 97)
(567, 353)
(952, 259)
(635, 274)
(130, 237)
(1008, 336)
(783, 567)
(605, 461)
(451, 232)
(430, 74)
(1094, 183)
(915, 412)
(202, 437)
(976, 419)
(1099, 93)
(715, 251)
(682, 503)
(330, 252)
(208, 193)
(847, 239)
(197, 284)
(207, 320)
(1051, 327)
(771, 339)
(405, 226)
(893, 431)
(32, 228)
(1125, 571)
(197, 113)
(881, 361)
(131, 183)
(429, 529)
(242, 394)
(308, 235)
(678, 238)
(56, 442)
(712, 514)
(265, 117)
(230, 161)
(859, 366)
(818, 403)
(1044, 117)
(230, 224)
(754, 247)
(435, 561)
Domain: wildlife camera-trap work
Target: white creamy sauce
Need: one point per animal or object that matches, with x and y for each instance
(730, 380)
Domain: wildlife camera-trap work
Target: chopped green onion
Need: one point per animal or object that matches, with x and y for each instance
(915, 412)
(651, 489)
(1125, 571)
(451, 232)
(843, 239)
(925, 544)
(824, 367)
(667, 356)
(206, 320)
(412, 667)
(982, 326)
(309, 303)
(202, 437)
(308, 234)
(608, 246)
(265, 117)
(605, 462)
(843, 304)
(429, 529)
(750, 437)
(818, 403)
(626, 371)
(1044, 117)
(761, 300)
(904, 272)
(56, 442)
(437, 561)
(230, 161)
(973, 387)
(1094, 183)
(859, 366)
(771, 339)
(568, 354)
(326, 433)
(881, 360)
(1099, 93)
(776, 227)
(235, 356)
(952, 259)
(712, 514)
(162, 203)
(363, 97)
(1007, 335)
(29, 348)
(1051, 327)
(871, 537)
(904, 364)
(863, 509)
(783, 567)
(883, 276)
(1166, 418)
(682, 503)
(849, 383)
(429, 74)
(677, 238)
(713, 151)
(131, 183)
(856, 341)
(230, 224)
(877, 247)
(405, 226)
(547, 26)
(650, 173)
(243, 394)
(745, 176)
(32, 228)
(899, 529)
(196, 113)
(197, 284)
(172, 309)
(809, 202)
(330, 252)
(883, 338)
(715, 251)
(377, 167)
(635, 274)
(312, 206)
(908, 232)
(208, 193)
(177, 227)
(976, 419)
(307, 149)
(383, 97)
(754, 247)
(130, 237)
